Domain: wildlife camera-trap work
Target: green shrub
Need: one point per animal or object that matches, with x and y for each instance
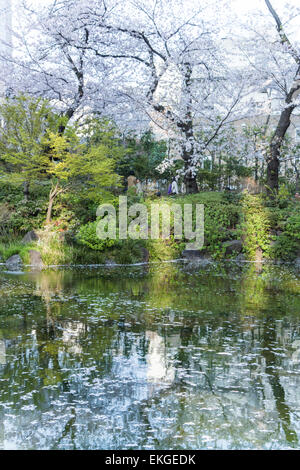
(285, 248)
(284, 196)
(288, 243)
(127, 251)
(292, 227)
(220, 221)
(255, 226)
(82, 255)
(87, 235)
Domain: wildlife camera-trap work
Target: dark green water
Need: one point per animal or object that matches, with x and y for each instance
(172, 356)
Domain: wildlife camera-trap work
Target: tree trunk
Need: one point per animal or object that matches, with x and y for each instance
(190, 182)
(49, 211)
(274, 150)
(189, 178)
(188, 150)
(297, 181)
(285, 116)
(26, 190)
(273, 171)
(187, 155)
(256, 168)
(53, 193)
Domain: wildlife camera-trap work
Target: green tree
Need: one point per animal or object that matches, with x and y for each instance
(142, 156)
(33, 149)
(86, 168)
(25, 123)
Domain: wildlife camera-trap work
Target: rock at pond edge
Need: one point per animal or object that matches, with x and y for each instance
(30, 237)
(14, 262)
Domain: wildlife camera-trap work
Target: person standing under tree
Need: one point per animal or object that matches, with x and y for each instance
(174, 188)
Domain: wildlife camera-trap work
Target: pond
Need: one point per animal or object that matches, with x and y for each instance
(165, 356)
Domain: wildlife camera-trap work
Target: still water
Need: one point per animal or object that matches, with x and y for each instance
(168, 356)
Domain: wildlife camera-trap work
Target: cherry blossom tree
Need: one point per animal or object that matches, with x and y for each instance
(292, 91)
(160, 61)
(274, 59)
(182, 80)
(176, 66)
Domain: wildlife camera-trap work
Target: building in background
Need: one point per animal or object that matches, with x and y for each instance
(260, 109)
(265, 108)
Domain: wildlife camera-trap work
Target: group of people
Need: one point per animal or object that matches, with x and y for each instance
(152, 187)
(136, 184)
(173, 188)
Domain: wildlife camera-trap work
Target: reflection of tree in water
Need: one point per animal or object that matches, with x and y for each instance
(98, 331)
(263, 292)
(69, 431)
(269, 342)
(49, 285)
(2, 352)
(160, 370)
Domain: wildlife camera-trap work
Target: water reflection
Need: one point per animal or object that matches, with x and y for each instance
(175, 356)
(159, 370)
(2, 352)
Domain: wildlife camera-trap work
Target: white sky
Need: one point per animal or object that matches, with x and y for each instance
(239, 11)
(282, 7)
(244, 6)
(240, 7)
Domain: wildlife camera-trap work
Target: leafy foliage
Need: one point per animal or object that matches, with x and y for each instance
(87, 235)
(255, 226)
(288, 243)
(143, 155)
